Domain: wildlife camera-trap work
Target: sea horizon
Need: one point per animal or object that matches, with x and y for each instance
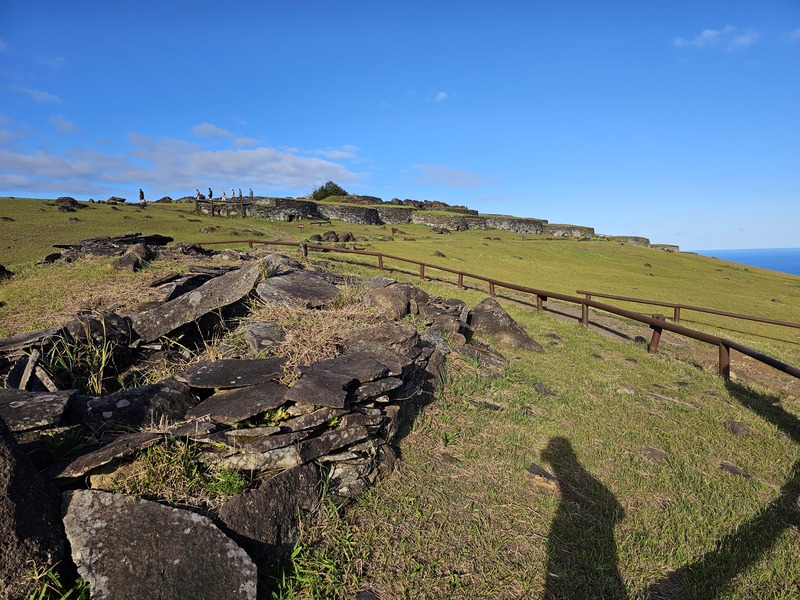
(783, 260)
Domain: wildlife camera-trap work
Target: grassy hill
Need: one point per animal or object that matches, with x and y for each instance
(670, 481)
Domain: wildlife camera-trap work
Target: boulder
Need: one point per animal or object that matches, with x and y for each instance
(263, 335)
(30, 524)
(129, 548)
(264, 521)
(489, 318)
(5, 273)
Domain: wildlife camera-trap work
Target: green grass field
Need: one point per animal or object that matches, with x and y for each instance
(657, 496)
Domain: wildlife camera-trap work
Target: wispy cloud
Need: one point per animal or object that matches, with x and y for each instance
(38, 95)
(441, 175)
(729, 38)
(245, 142)
(441, 96)
(63, 125)
(209, 130)
(794, 36)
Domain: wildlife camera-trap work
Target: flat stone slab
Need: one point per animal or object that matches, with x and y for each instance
(212, 295)
(321, 387)
(233, 406)
(263, 336)
(137, 407)
(125, 445)
(23, 410)
(304, 288)
(128, 549)
(373, 389)
(361, 366)
(232, 373)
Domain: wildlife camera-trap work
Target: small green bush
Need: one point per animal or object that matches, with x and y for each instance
(329, 189)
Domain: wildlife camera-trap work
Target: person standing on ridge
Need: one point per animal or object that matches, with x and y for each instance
(251, 193)
(240, 193)
(141, 196)
(224, 198)
(210, 194)
(233, 194)
(197, 194)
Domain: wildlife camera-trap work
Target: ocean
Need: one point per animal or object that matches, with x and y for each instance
(786, 260)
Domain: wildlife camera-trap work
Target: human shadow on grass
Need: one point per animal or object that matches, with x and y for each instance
(582, 557)
(734, 552)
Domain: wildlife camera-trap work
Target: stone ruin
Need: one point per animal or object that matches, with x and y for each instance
(335, 428)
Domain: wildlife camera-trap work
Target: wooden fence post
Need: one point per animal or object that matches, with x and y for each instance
(422, 272)
(380, 263)
(724, 361)
(652, 348)
(677, 317)
(491, 289)
(584, 314)
(461, 281)
(540, 302)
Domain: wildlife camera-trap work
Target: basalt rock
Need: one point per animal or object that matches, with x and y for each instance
(490, 318)
(129, 548)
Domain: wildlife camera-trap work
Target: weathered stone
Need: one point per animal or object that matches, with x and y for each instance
(23, 410)
(379, 282)
(5, 273)
(125, 445)
(391, 300)
(212, 295)
(543, 479)
(128, 548)
(543, 390)
(304, 288)
(168, 400)
(30, 524)
(358, 365)
(232, 406)
(232, 373)
(490, 361)
(737, 428)
(263, 336)
(367, 391)
(490, 318)
(321, 387)
(655, 455)
(734, 470)
(313, 448)
(401, 338)
(311, 420)
(183, 285)
(264, 521)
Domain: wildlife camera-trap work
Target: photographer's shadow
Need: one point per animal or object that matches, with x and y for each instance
(581, 551)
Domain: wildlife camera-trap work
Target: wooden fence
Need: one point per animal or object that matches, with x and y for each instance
(657, 323)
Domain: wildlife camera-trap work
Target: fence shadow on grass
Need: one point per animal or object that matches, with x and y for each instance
(709, 575)
(582, 557)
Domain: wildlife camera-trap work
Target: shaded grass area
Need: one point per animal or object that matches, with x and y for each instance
(463, 517)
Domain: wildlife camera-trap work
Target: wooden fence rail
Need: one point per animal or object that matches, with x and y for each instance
(657, 323)
(677, 309)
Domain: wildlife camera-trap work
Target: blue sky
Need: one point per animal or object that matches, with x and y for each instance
(674, 120)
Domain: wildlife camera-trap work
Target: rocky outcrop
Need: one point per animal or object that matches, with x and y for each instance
(535, 226)
(666, 247)
(632, 240)
(573, 231)
(350, 214)
(342, 414)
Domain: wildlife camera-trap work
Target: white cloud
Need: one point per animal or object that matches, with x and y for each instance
(347, 151)
(442, 96)
(38, 95)
(245, 142)
(439, 174)
(165, 166)
(729, 37)
(209, 130)
(63, 125)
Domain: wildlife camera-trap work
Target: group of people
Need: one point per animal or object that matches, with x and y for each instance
(223, 195)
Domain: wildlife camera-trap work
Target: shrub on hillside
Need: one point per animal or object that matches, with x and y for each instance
(329, 189)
